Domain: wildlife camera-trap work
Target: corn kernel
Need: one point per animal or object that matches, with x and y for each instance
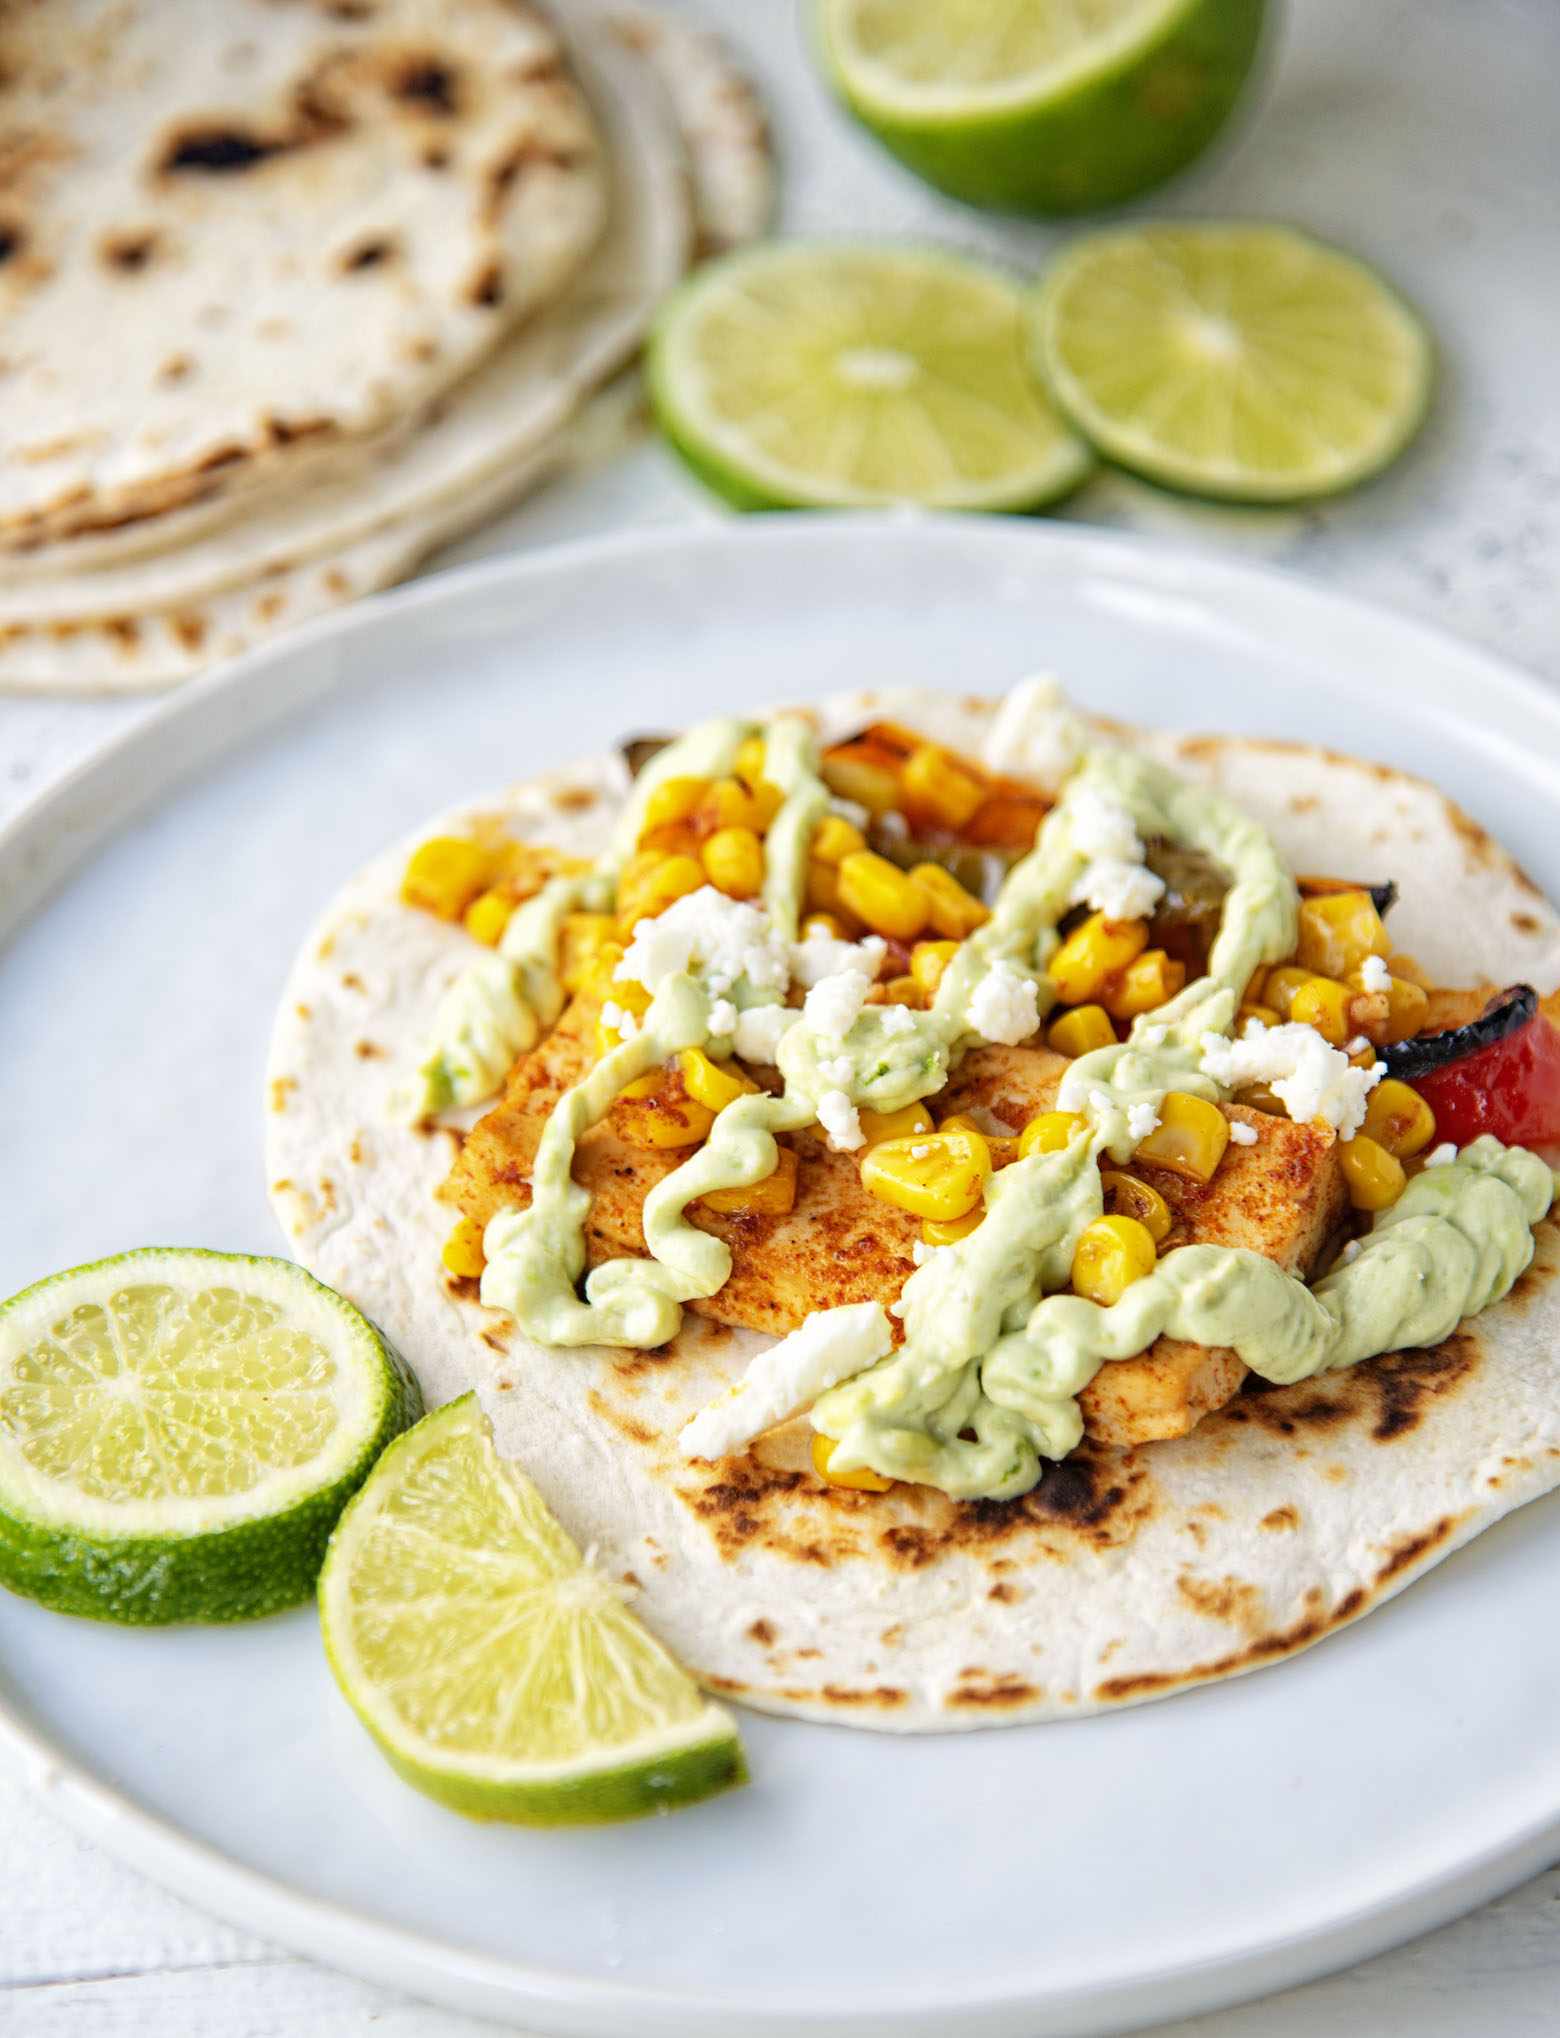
(1282, 988)
(834, 839)
(1111, 1254)
(1189, 1139)
(1338, 931)
(941, 787)
(1126, 1196)
(1081, 1030)
(1399, 1119)
(1375, 1178)
(672, 838)
(749, 766)
(445, 875)
(1092, 954)
(929, 962)
(822, 926)
(821, 888)
(644, 1086)
(912, 1121)
(773, 1196)
(728, 803)
(941, 1175)
(651, 883)
(952, 911)
(1002, 1148)
(1010, 819)
(733, 860)
(876, 891)
(955, 1228)
(716, 1084)
(463, 1254)
(487, 916)
(1149, 981)
(1263, 1014)
(669, 1118)
(1325, 1005)
(1048, 1133)
(1408, 1006)
(583, 937)
(904, 991)
(864, 1481)
(674, 799)
(863, 778)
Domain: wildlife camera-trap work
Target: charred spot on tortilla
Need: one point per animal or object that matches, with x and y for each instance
(427, 84)
(370, 254)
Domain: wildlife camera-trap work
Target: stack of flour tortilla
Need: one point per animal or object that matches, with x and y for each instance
(291, 295)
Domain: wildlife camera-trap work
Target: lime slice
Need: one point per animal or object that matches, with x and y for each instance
(179, 1431)
(1246, 362)
(797, 375)
(496, 1667)
(1043, 106)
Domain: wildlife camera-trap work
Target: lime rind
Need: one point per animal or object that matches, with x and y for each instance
(1326, 433)
(484, 1690)
(1134, 101)
(234, 1556)
(832, 375)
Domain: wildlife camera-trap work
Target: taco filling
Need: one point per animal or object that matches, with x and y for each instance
(1022, 1100)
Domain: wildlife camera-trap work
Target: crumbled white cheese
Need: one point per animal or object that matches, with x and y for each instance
(898, 1019)
(724, 940)
(757, 1034)
(723, 1018)
(829, 1347)
(1310, 1079)
(1141, 1120)
(617, 1021)
(919, 1153)
(820, 956)
(839, 1118)
(834, 1002)
(1101, 827)
(922, 1253)
(897, 1308)
(1357, 1045)
(1098, 1101)
(1003, 1006)
(1374, 974)
(1153, 1036)
(1441, 1156)
(1036, 734)
(1121, 891)
(1242, 1135)
(838, 1072)
(1350, 1253)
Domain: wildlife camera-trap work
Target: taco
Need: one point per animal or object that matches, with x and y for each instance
(975, 1213)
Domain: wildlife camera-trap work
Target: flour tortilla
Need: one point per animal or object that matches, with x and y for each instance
(1124, 1575)
(234, 229)
(366, 519)
(157, 620)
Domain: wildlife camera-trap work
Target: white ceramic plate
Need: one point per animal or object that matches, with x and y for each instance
(1061, 1879)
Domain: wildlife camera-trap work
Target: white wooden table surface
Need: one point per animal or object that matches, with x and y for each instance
(1425, 134)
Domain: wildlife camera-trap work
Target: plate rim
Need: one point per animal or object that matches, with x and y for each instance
(53, 833)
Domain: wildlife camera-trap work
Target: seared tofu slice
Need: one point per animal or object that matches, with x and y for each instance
(837, 1245)
(1283, 1196)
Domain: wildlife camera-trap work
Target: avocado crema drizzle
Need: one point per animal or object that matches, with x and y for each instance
(986, 1380)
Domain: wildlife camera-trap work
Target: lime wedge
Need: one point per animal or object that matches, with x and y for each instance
(179, 1431)
(495, 1666)
(1245, 361)
(1041, 106)
(805, 375)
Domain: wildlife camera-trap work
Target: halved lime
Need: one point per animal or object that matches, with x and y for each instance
(1247, 362)
(179, 1431)
(1042, 106)
(817, 375)
(499, 1671)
